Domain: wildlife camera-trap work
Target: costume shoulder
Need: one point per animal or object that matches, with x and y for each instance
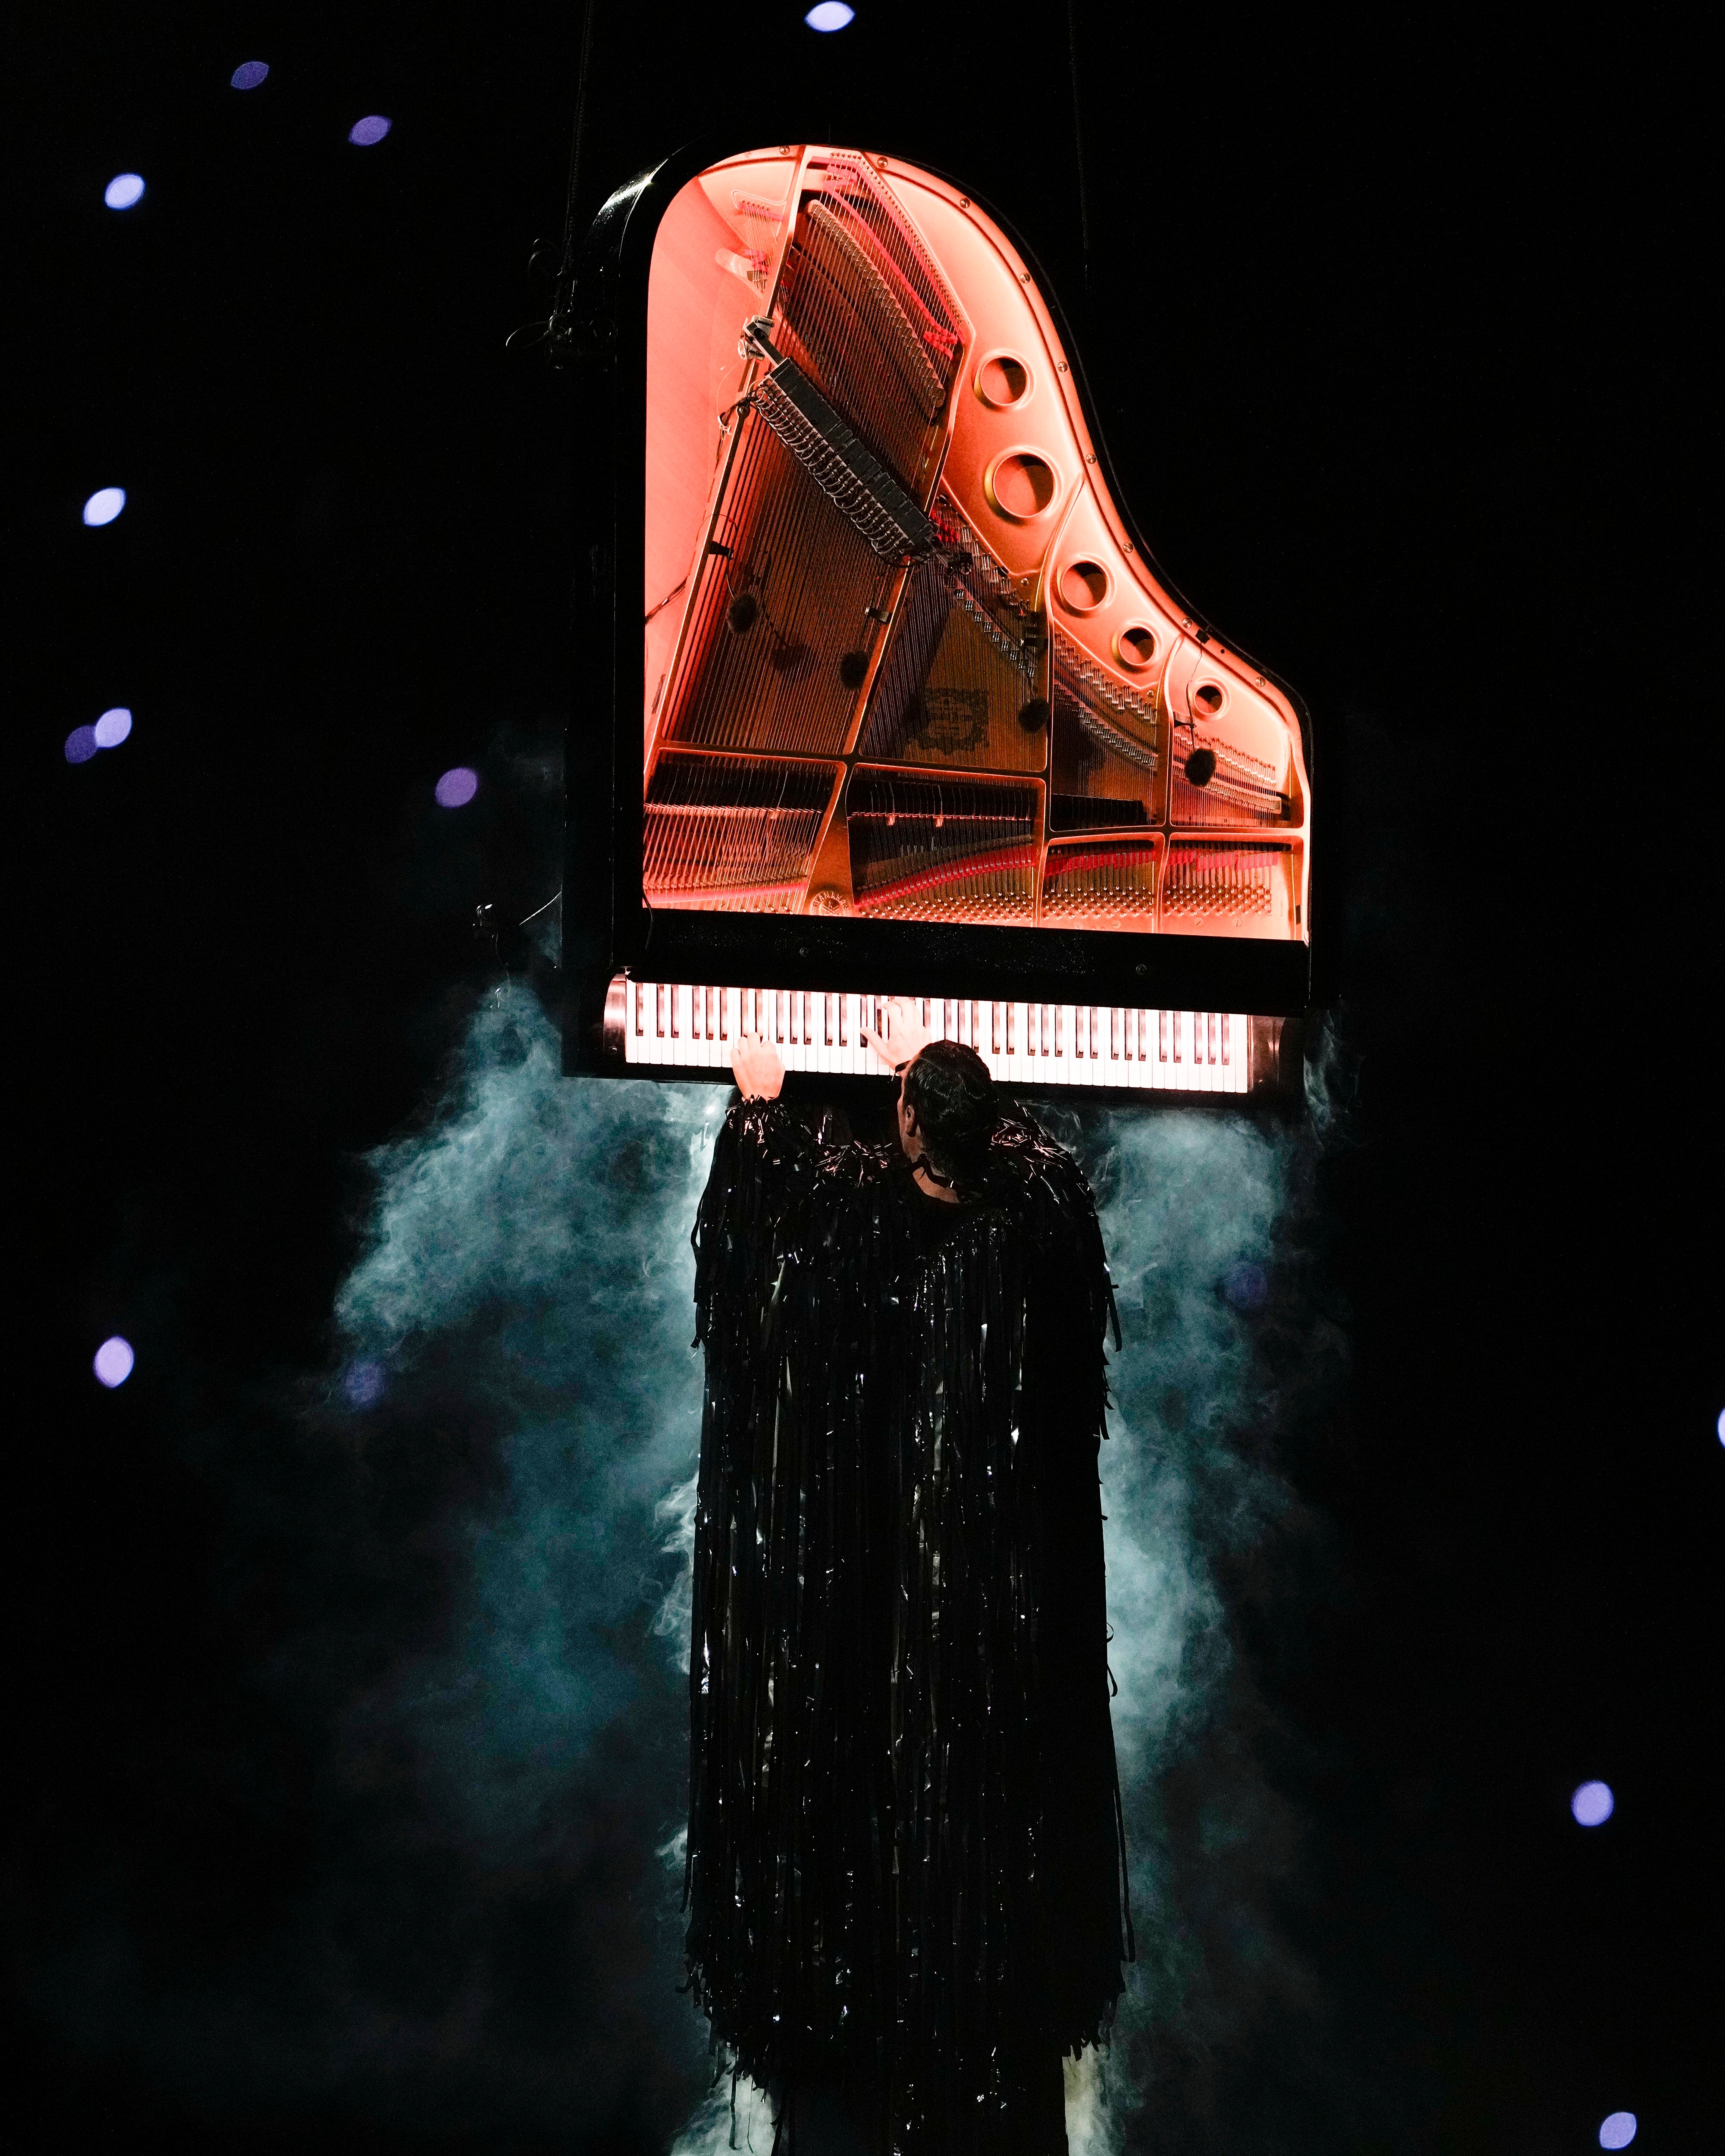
(1038, 1177)
(1042, 1182)
(772, 1178)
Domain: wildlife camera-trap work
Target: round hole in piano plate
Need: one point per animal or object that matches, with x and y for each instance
(1003, 380)
(1084, 586)
(1135, 645)
(1209, 698)
(1022, 485)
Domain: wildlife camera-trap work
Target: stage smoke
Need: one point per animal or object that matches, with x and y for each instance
(479, 1523)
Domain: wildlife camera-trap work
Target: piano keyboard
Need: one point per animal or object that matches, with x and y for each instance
(672, 1024)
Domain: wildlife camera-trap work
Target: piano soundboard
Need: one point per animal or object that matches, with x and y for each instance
(661, 1026)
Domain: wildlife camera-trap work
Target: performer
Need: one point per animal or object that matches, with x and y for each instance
(906, 1877)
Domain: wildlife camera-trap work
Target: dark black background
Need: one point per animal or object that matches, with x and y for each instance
(1391, 332)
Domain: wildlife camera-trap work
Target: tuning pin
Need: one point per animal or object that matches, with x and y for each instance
(852, 667)
(743, 612)
(1200, 766)
(1032, 716)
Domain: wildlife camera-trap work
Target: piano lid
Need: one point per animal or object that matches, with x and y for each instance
(875, 681)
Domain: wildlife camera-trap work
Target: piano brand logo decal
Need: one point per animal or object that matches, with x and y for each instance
(950, 720)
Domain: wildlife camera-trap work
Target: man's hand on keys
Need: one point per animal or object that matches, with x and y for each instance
(902, 1035)
(756, 1065)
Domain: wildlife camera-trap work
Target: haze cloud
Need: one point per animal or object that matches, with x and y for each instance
(483, 1515)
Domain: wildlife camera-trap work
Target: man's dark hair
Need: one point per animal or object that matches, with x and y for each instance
(948, 1090)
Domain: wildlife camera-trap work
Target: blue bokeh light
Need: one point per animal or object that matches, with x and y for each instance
(457, 788)
(123, 190)
(114, 1362)
(250, 73)
(363, 1384)
(112, 727)
(104, 505)
(81, 744)
(830, 15)
(1593, 1804)
(1721, 1425)
(1618, 2131)
(370, 130)
(1245, 1286)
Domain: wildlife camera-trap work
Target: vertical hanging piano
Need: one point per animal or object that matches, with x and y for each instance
(878, 692)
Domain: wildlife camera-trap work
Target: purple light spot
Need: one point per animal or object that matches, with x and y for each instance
(1721, 1425)
(81, 744)
(113, 1363)
(363, 1384)
(123, 190)
(830, 15)
(457, 788)
(104, 505)
(372, 129)
(250, 73)
(1245, 1286)
(1618, 2131)
(112, 727)
(1593, 1804)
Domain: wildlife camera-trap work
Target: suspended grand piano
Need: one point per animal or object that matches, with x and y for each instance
(879, 693)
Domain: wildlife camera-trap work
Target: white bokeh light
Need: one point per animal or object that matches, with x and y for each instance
(113, 1361)
(123, 190)
(1618, 2131)
(1593, 1804)
(113, 727)
(105, 504)
(830, 15)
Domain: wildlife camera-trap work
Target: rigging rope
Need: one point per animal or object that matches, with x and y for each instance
(1078, 145)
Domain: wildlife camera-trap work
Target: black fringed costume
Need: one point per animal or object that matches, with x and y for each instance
(907, 1863)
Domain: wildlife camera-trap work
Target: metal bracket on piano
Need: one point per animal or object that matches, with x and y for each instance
(853, 478)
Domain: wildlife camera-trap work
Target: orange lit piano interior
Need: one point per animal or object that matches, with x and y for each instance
(903, 661)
